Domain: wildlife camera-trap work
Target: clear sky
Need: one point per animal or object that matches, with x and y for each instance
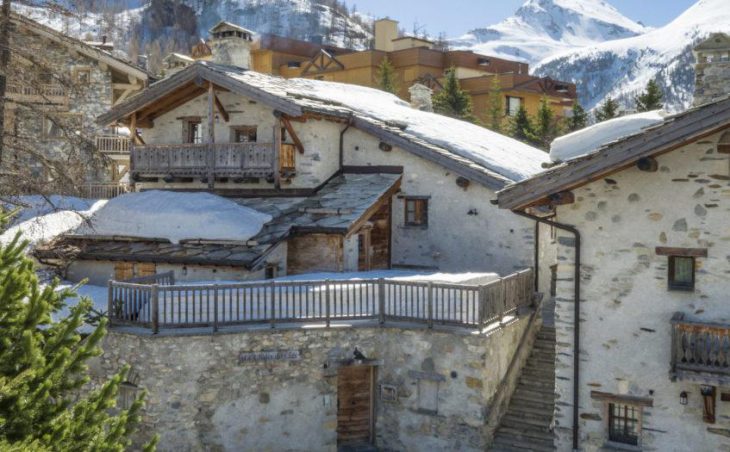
(455, 17)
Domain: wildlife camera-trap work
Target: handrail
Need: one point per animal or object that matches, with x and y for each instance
(699, 347)
(155, 301)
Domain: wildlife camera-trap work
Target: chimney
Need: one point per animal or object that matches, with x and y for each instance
(421, 97)
(231, 45)
(386, 30)
(712, 69)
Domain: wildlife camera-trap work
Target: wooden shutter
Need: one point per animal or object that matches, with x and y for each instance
(146, 269)
(123, 271)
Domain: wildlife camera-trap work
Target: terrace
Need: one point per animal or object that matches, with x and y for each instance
(156, 303)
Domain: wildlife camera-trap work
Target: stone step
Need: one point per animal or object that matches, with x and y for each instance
(527, 433)
(537, 401)
(526, 422)
(545, 383)
(538, 375)
(546, 394)
(538, 419)
(509, 444)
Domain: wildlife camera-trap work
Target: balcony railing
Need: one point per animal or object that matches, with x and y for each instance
(700, 351)
(112, 144)
(104, 191)
(40, 93)
(195, 160)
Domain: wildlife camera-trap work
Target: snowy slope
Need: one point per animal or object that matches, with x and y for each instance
(622, 68)
(545, 27)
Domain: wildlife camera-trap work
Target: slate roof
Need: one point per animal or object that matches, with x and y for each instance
(335, 208)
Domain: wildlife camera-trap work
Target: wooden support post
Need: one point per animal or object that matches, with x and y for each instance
(273, 304)
(211, 135)
(430, 304)
(293, 134)
(155, 309)
(503, 299)
(381, 300)
(482, 307)
(277, 150)
(215, 309)
(133, 128)
(327, 301)
(110, 302)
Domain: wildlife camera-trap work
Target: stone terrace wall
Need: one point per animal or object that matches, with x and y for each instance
(201, 398)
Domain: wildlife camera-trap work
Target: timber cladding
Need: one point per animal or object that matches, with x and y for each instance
(315, 253)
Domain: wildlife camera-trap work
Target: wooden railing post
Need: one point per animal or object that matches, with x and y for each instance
(381, 300)
(155, 309)
(273, 304)
(215, 309)
(430, 304)
(327, 301)
(482, 307)
(110, 302)
(503, 299)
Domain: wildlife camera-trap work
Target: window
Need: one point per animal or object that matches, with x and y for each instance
(513, 105)
(417, 212)
(83, 76)
(124, 271)
(128, 393)
(271, 271)
(624, 423)
(681, 273)
(243, 134)
(192, 131)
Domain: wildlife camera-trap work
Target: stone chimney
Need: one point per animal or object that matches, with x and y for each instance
(712, 69)
(231, 44)
(421, 97)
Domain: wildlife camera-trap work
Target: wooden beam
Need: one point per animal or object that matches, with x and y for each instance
(121, 86)
(293, 134)
(556, 199)
(277, 150)
(622, 398)
(171, 102)
(133, 127)
(221, 109)
(365, 217)
(211, 135)
(683, 252)
(123, 96)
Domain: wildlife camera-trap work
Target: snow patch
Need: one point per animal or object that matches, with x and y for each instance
(592, 138)
(175, 217)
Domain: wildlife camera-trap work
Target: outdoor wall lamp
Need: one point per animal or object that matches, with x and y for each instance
(683, 398)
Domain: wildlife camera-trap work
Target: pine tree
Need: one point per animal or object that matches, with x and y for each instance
(579, 119)
(522, 127)
(651, 98)
(452, 100)
(546, 126)
(386, 76)
(42, 369)
(607, 110)
(495, 105)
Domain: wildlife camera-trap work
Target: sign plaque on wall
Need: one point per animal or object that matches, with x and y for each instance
(269, 355)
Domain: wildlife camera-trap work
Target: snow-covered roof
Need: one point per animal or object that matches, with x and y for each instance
(472, 151)
(174, 216)
(592, 138)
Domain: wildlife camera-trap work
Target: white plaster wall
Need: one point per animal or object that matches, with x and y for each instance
(625, 305)
(320, 138)
(493, 240)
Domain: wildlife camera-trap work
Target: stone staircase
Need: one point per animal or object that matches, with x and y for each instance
(527, 423)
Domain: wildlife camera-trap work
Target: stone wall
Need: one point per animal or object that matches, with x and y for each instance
(625, 304)
(200, 397)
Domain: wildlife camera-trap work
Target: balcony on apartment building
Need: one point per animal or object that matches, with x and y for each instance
(700, 351)
(217, 160)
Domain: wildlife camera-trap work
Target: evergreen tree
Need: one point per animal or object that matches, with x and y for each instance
(452, 100)
(651, 99)
(386, 76)
(579, 119)
(495, 105)
(42, 369)
(546, 126)
(607, 110)
(522, 127)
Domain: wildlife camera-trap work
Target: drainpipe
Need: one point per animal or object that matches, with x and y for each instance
(342, 142)
(576, 313)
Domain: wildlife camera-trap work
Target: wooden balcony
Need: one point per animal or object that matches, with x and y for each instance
(700, 351)
(221, 160)
(40, 94)
(112, 144)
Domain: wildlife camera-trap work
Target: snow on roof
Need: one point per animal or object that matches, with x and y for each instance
(592, 138)
(503, 155)
(46, 218)
(175, 217)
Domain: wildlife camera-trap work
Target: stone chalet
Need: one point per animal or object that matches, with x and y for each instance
(643, 258)
(64, 91)
(333, 178)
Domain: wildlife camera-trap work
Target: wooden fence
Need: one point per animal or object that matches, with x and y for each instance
(112, 144)
(158, 303)
(700, 347)
(103, 191)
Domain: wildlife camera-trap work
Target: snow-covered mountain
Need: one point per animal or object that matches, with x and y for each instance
(622, 68)
(541, 28)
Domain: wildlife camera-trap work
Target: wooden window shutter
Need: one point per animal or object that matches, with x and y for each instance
(146, 269)
(123, 271)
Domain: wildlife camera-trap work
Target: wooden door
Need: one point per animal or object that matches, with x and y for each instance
(355, 405)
